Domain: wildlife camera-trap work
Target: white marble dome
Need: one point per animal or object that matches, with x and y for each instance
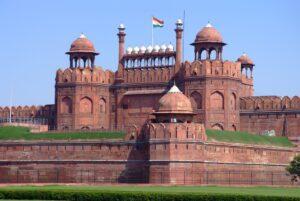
(149, 49)
(129, 50)
(136, 50)
(170, 48)
(163, 48)
(156, 48)
(142, 49)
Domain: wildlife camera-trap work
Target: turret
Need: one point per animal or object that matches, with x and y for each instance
(208, 44)
(121, 36)
(82, 52)
(179, 31)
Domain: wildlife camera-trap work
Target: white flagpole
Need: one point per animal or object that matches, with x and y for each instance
(183, 35)
(10, 105)
(152, 31)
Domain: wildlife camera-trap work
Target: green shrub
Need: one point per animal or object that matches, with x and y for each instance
(131, 196)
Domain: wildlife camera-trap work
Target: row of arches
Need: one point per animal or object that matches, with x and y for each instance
(216, 100)
(85, 105)
(149, 62)
(247, 72)
(27, 111)
(208, 54)
(82, 60)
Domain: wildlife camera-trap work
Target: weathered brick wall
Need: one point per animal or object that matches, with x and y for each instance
(106, 161)
(177, 157)
(284, 123)
(264, 113)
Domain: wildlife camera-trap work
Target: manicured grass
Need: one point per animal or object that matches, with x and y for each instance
(22, 133)
(258, 190)
(247, 138)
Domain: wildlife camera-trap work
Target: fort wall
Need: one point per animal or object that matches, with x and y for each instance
(260, 114)
(171, 153)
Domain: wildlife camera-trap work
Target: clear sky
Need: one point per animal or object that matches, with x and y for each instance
(34, 36)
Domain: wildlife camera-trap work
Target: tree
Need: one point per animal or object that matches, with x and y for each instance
(294, 168)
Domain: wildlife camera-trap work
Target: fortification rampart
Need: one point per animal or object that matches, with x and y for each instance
(84, 75)
(261, 114)
(188, 161)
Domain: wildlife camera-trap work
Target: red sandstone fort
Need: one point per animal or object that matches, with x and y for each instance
(165, 104)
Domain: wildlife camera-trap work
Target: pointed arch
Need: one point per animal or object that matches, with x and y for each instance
(295, 102)
(217, 100)
(66, 105)
(233, 101)
(286, 103)
(102, 105)
(217, 126)
(196, 100)
(86, 105)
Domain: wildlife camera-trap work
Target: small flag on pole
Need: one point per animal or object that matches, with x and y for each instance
(157, 22)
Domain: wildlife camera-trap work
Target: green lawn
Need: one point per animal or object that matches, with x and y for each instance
(22, 133)
(259, 190)
(246, 138)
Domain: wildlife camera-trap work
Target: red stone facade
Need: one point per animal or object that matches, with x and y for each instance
(221, 91)
(165, 124)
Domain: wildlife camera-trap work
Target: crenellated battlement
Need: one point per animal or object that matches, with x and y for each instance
(84, 75)
(269, 103)
(183, 131)
(212, 68)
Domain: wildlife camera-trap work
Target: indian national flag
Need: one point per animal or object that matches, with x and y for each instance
(157, 22)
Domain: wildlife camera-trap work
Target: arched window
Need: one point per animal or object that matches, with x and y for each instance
(102, 105)
(216, 100)
(86, 105)
(66, 105)
(202, 54)
(212, 54)
(233, 101)
(217, 126)
(156, 62)
(196, 55)
(196, 100)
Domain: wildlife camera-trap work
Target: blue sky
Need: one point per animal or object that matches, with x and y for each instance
(35, 35)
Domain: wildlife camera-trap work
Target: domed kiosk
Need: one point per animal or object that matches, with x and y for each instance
(208, 44)
(246, 64)
(82, 52)
(174, 107)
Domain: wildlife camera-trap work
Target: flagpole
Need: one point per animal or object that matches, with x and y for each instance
(183, 26)
(10, 105)
(152, 31)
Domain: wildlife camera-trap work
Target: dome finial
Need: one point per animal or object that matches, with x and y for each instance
(82, 35)
(208, 24)
(174, 89)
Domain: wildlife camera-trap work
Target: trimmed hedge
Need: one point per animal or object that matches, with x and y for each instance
(131, 196)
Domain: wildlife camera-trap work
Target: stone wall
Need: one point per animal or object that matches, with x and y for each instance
(61, 161)
(179, 153)
(182, 160)
(260, 114)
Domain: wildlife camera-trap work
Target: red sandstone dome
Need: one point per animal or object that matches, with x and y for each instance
(174, 102)
(244, 59)
(82, 44)
(208, 34)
